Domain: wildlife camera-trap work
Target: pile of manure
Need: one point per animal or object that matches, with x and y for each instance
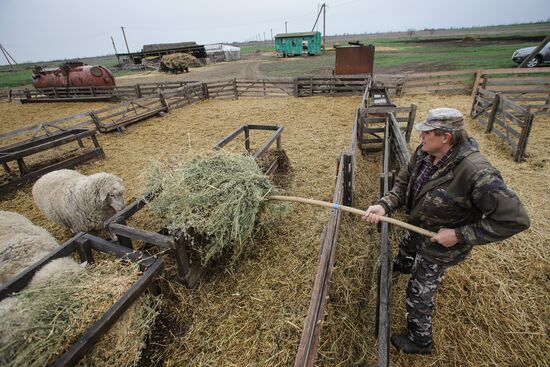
(39, 324)
(214, 199)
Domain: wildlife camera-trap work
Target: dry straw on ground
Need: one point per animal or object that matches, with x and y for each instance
(491, 310)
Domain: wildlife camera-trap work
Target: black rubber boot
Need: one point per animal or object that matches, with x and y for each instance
(406, 345)
(402, 264)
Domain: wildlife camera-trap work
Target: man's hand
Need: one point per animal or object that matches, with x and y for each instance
(446, 237)
(373, 213)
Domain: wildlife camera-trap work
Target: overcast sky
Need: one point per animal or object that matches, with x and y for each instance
(33, 30)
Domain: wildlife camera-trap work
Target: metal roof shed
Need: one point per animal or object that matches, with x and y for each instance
(296, 44)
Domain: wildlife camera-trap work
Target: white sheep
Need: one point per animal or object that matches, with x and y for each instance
(76, 201)
(21, 244)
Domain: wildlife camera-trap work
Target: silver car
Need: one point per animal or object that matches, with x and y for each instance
(543, 56)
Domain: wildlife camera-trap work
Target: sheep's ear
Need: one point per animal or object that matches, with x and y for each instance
(103, 196)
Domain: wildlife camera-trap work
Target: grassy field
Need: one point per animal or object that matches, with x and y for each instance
(425, 50)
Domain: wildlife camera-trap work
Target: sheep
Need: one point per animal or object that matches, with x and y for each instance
(21, 244)
(81, 203)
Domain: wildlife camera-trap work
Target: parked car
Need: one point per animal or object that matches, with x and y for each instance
(542, 57)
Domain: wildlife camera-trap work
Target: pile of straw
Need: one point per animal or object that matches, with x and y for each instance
(213, 199)
(47, 320)
(179, 61)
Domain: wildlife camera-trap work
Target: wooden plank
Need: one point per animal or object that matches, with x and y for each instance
(143, 235)
(115, 312)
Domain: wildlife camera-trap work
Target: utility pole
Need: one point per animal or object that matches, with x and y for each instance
(264, 36)
(6, 54)
(323, 8)
(125, 41)
(286, 31)
(324, 23)
(271, 30)
(116, 52)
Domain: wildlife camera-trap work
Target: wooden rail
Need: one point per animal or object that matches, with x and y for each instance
(83, 244)
(502, 117)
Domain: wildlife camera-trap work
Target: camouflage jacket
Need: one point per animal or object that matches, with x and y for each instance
(467, 194)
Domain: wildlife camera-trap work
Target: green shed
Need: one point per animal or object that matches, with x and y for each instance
(295, 44)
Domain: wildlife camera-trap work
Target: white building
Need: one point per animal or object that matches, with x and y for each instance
(219, 52)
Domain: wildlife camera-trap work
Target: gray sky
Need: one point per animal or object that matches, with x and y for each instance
(33, 30)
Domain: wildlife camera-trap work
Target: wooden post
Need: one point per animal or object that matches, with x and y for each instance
(10, 93)
(163, 102)
(247, 138)
(295, 81)
(410, 123)
(311, 86)
(485, 80)
(205, 90)
(477, 78)
(137, 90)
(547, 103)
(492, 116)
(235, 88)
(522, 143)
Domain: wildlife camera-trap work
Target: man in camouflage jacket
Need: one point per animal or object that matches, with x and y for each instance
(449, 188)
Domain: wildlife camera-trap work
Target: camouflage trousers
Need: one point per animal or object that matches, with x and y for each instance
(420, 296)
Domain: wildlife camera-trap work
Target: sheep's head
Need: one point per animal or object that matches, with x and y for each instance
(111, 191)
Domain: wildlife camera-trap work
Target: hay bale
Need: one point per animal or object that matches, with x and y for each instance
(212, 198)
(48, 319)
(178, 62)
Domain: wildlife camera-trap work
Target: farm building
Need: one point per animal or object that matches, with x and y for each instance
(296, 44)
(156, 51)
(219, 52)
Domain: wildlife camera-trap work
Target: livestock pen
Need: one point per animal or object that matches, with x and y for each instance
(490, 308)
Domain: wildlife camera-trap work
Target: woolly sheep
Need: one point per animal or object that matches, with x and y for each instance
(76, 201)
(21, 244)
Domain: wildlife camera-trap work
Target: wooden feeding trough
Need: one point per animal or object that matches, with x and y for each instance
(84, 243)
(109, 119)
(189, 268)
(375, 107)
(69, 94)
(23, 161)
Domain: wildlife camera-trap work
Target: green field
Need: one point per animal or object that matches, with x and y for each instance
(426, 50)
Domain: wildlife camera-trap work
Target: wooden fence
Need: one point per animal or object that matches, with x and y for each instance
(529, 88)
(512, 81)
(502, 117)
(444, 82)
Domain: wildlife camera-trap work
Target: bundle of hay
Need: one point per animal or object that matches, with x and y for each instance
(178, 62)
(217, 195)
(39, 324)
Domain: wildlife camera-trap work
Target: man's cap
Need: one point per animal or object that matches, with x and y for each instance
(442, 118)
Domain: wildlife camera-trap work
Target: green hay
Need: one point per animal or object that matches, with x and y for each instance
(214, 199)
(48, 319)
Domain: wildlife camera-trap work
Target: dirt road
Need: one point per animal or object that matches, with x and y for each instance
(243, 69)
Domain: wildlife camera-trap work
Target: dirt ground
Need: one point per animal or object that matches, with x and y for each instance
(247, 68)
(491, 310)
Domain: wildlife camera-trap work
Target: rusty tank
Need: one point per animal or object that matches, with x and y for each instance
(72, 74)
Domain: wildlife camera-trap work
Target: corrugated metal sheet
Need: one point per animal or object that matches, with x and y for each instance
(354, 60)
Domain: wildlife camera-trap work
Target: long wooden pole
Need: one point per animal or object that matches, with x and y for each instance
(349, 209)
